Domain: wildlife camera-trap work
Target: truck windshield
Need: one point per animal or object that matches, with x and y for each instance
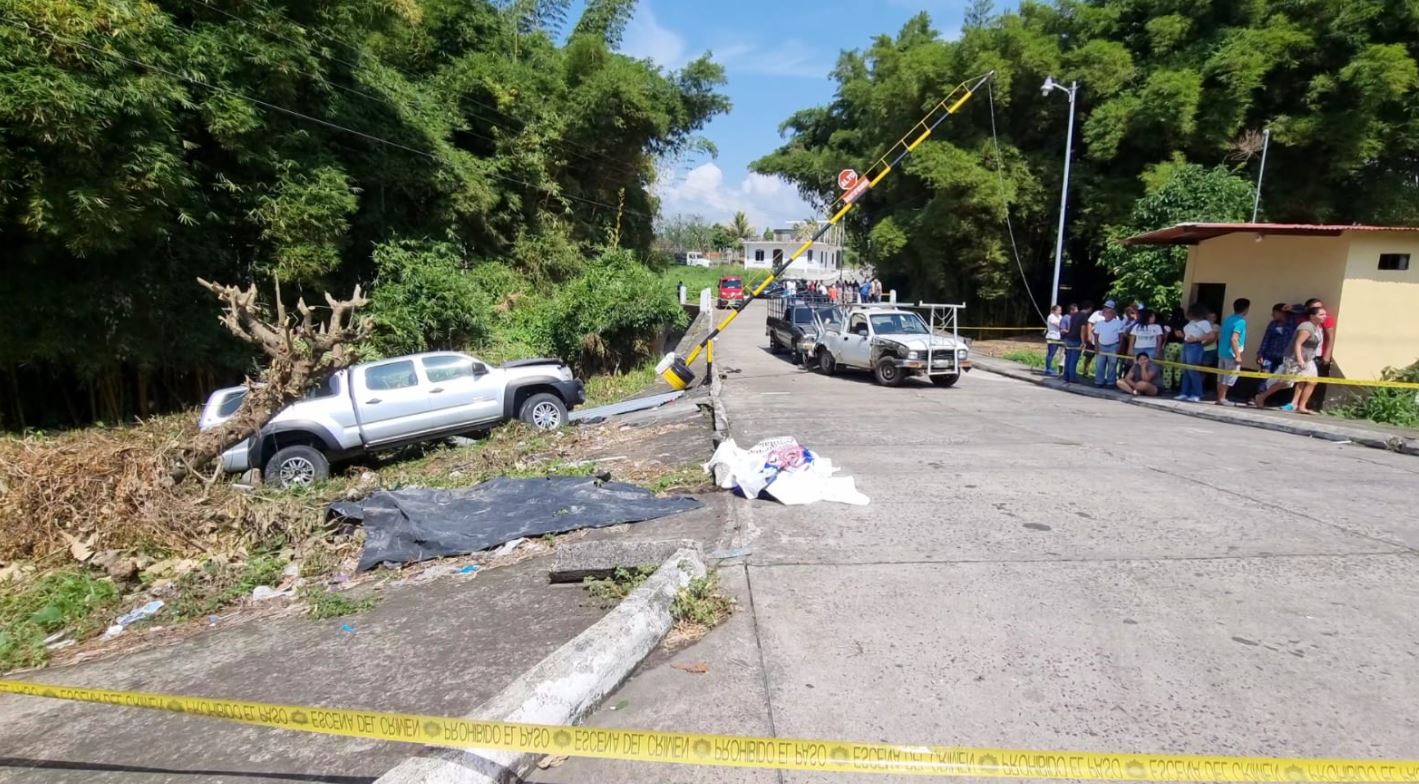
(898, 324)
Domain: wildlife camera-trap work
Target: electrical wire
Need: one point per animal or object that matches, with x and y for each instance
(309, 118)
(1005, 203)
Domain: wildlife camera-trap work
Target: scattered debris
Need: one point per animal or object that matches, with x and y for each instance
(263, 593)
(417, 524)
(469, 569)
(599, 559)
(551, 761)
(131, 617)
(694, 668)
(732, 552)
(621, 705)
(347, 628)
(510, 546)
(785, 471)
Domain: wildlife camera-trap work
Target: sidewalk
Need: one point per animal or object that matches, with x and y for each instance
(1377, 436)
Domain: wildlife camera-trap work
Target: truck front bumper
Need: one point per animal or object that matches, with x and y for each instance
(938, 367)
(574, 392)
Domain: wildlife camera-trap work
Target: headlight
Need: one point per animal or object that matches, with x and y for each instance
(913, 355)
(961, 354)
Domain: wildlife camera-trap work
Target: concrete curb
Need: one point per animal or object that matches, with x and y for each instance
(721, 422)
(565, 686)
(1324, 430)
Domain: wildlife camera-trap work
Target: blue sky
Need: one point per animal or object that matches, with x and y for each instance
(778, 54)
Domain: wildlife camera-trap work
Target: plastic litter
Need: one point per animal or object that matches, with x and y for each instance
(417, 524)
(513, 545)
(347, 628)
(262, 593)
(131, 617)
(784, 470)
(469, 569)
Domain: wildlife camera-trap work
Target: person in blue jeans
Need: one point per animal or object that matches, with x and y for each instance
(1107, 334)
(1073, 331)
(1196, 335)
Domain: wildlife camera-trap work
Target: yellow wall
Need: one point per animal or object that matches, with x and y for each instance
(1377, 318)
(1277, 269)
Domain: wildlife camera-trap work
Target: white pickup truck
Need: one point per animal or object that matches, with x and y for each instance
(893, 344)
(391, 403)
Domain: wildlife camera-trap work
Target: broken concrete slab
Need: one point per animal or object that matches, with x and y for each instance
(579, 560)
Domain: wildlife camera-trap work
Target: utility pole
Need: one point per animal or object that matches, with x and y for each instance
(1073, 88)
(1256, 199)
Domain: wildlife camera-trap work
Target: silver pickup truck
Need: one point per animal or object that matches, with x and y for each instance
(391, 403)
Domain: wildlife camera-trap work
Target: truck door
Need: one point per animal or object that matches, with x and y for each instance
(855, 342)
(461, 391)
(391, 401)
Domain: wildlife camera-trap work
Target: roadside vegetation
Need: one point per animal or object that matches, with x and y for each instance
(1387, 406)
(696, 278)
(1025, 356)
(698, 608)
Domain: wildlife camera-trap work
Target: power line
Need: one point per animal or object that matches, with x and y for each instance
(600, 157)
(309, 118)
(1000, 172)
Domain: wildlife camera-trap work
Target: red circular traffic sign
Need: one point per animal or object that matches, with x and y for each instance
(847, 178)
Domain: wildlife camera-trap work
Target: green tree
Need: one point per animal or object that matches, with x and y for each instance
(1181, 193)
(740, 228)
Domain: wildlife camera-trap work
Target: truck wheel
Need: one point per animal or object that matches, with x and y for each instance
(544, 411)
(296, 466)
(888, 374)
(946, 381)
(826, 363)
(774, 346)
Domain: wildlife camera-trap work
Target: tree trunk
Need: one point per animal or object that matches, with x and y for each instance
(302, 353)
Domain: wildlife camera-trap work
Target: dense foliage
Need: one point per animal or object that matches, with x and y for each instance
(1159, 83)
(144, 143)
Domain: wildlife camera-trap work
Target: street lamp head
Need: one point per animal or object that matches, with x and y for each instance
(1050, 84)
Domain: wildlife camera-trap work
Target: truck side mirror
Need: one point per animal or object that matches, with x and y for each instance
(479, 369)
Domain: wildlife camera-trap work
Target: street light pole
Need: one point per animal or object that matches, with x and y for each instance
(1265, 145)
(1071, 90)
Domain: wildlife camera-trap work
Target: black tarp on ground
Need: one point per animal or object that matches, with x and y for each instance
(416, 524)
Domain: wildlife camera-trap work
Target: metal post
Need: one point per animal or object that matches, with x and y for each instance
(1256, 201)
(1063, 199)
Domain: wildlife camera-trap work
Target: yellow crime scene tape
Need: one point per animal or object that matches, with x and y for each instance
(1352, 382)
(686, 748)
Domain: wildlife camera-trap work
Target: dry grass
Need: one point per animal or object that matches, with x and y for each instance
(108, 489)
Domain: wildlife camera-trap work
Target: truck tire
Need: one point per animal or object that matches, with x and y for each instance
(544, 411)
(296, 466)
(886, 373)
(946, 381)
(774, 346)
(826, 363)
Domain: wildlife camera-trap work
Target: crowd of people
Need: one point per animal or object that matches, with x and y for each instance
(842, 290)
(1124, 348)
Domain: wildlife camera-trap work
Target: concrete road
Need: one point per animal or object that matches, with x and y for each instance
(1044, 570)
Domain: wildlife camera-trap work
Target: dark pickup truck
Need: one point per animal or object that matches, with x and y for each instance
(793, 323)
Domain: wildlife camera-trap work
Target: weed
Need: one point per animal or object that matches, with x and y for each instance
(70, 600)
(685, 479)
(1387, 406)
(1035, 359)
(702, 603)
(609, 591)
(324, 604)
(613, 387)
(216, 585)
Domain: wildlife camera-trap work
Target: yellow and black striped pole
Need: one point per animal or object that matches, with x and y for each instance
(676, 371)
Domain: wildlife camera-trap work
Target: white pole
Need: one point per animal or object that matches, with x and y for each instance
(1063, 199)
(1265, 144)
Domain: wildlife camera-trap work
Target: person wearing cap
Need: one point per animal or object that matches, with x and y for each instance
(1107, 334)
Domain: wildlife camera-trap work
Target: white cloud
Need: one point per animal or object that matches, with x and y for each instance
(790, 57)
(646, 39)
(767, 201)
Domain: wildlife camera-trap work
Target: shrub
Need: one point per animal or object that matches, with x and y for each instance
(608, 317)
(425, 298)
(1389, 406)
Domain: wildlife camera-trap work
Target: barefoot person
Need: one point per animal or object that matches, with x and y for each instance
(1141, 378)
(1300, 361)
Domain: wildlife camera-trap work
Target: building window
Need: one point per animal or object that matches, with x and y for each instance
(1397, 262)
(759, 255)
(810, 256)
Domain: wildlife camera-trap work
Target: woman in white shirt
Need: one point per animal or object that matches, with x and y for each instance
(1147, 336)
(1196, 335)
(1053, 337)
